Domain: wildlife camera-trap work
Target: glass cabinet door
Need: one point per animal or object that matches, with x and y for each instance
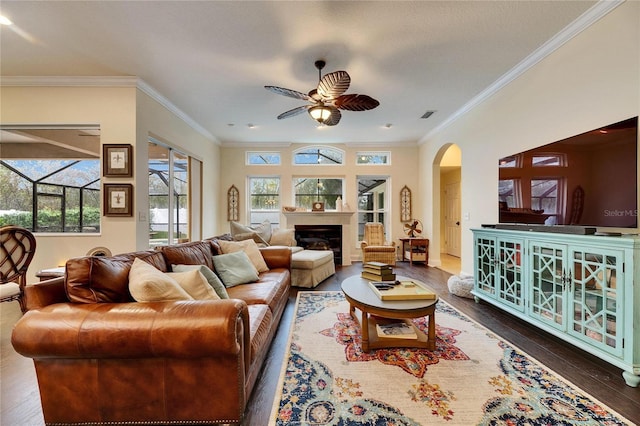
(509, 284)
(548, 282)
(485, 264)
(595, 298)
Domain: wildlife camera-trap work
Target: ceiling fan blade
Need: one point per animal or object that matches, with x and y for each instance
(288, 92)
(355, 102)
(295, 111)
(334, 118)
(333, 85)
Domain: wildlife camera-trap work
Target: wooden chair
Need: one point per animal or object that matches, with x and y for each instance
(374, 246)
(17, 248)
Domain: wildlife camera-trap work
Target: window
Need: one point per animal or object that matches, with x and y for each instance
(310, 189)
(262, 158)
(373, 202)
(547, 159)
(264, 199)
(509, 192)
(507, 162)
(374, 158)
(544, 196)
(168, 195)
(50, 179)
(320, 155)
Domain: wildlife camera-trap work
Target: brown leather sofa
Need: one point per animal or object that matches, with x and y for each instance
(102, 358)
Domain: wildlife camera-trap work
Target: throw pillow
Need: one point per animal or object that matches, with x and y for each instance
(250, 248)
(283, 237)
(211, 277)
(235, 268)
(263, 230)
(194, 283)
(148, 284)
(253, 235)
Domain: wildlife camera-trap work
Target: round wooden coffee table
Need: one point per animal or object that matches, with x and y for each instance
(360, 296)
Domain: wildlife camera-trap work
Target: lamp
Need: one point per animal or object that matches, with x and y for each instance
(320, 113)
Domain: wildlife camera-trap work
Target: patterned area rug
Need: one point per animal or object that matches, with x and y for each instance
(472, 378)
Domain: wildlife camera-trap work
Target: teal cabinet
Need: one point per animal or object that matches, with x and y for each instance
(577, 287)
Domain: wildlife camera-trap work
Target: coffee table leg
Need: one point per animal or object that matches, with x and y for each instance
(431, 344)
(364, 325)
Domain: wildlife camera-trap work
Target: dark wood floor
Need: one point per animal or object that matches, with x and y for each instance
(20, 401)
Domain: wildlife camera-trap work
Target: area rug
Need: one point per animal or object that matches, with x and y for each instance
(472, 377)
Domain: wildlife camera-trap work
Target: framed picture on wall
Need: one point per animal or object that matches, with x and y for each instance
(117, 160)
(117, 199)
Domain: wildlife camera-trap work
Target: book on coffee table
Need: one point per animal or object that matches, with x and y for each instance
(396, 330)
(401, 290)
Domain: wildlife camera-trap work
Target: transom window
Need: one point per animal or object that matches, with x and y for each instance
(263, 158)
(320, 155)
(375, 158)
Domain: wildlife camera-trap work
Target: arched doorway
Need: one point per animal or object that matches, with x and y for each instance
(448, 164)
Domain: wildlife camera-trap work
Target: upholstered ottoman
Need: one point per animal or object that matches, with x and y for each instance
(310, 267)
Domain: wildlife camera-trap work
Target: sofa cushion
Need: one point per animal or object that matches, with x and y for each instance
(194, 283)
(148, 284)
(211, 277)
(270, 290)
(262, 231)
(192, 253)
(98, 279)
(250, 248)
(235, 268)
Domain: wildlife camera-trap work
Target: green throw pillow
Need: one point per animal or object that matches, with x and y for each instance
(211, 277)
(235, 268)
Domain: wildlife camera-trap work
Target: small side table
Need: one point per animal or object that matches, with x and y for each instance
(415, 250)
(47, 274)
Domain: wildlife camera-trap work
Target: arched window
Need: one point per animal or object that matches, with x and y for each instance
(320, 155)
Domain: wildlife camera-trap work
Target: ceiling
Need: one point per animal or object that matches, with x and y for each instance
(212, 59)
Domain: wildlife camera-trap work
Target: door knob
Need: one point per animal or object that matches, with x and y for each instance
(458, 223)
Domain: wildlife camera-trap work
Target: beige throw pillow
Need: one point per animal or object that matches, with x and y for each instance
(283, 237)
(262, 232)
(148, 284)
(250, 248)
(195, 283)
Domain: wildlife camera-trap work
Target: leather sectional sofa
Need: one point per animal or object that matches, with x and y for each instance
(102, 358)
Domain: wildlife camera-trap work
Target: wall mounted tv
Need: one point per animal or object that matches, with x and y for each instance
(589, 179)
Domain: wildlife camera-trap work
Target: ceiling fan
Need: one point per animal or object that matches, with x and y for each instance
(327, 99)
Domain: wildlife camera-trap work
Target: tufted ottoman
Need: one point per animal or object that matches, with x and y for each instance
(310, 267)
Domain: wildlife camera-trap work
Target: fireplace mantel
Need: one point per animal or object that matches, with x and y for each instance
(326, 218)
(313, 218)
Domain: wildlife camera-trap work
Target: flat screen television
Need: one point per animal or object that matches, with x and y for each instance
(589, 179)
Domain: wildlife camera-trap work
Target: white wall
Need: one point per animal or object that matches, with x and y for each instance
(591, 81)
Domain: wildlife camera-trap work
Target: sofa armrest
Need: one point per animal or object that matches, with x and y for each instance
(45, 293)
(185, 329)
(277, 257)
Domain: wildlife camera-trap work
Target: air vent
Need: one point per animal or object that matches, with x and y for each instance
(427, 114)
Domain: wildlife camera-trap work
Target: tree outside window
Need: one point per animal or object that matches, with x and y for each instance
(264, 199)
(311, 189)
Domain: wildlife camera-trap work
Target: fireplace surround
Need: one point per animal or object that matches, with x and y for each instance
(321, 237)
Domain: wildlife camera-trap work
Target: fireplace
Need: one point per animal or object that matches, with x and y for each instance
(321, 237)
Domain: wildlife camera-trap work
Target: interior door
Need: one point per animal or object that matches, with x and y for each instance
(452, 219)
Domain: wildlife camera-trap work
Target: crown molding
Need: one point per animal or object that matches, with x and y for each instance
(588, 18)
(107, 81)
(69, 81)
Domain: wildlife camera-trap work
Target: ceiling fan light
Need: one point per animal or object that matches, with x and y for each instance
(320, 113)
